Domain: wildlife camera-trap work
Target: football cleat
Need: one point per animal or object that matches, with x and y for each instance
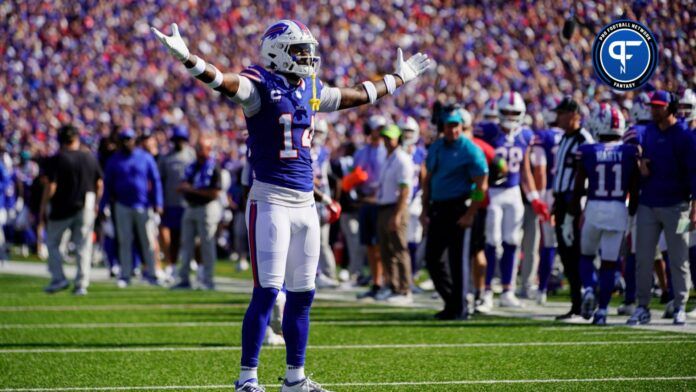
(305, 385)
(509, 300)
(249, 386)
(640, 316)
(541, 298)
(486, 302)
(588, 305)
(679, 316)
(600, 317)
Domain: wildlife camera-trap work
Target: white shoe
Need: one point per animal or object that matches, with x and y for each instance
(80, 292)
(541, 298)
(427, 285)
(242, 265)
(680, 316)
(400, 299)
(486, 304)
(626, 309)
(344, 275)
(509, 300)
(272, 338)
(669, 310)
(248, 387)
(305, 385)
(691, 314)
(121, 284)
(324, 282)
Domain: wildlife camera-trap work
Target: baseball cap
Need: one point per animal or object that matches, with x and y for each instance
(126, 133)
(453, 116)
(391, 131)
(660, 98)
(567, 104)
(180, 132)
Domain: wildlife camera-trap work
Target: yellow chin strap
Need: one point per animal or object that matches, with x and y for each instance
(314, 102)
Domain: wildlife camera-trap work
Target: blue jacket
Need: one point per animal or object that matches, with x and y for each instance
(672, 155)
(132, 180)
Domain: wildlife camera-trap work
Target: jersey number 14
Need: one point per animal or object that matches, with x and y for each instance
(288, 151)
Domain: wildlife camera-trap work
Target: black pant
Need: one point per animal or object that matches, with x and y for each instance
(570, 255)
(451, 278)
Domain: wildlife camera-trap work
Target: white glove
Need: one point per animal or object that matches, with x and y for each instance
(413, 67)
(567, 230)
(174, 43)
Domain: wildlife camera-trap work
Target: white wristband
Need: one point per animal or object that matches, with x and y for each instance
(217, 82)
(390, 82)
(198, 68)
(533, 195)
(371, 91)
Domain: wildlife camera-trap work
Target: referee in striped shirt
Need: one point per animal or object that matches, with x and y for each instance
(568, 112)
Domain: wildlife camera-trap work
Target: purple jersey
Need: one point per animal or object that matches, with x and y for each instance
(510, 147)
(548, 139)
(280, 134)
(634, 134)
(609, 168)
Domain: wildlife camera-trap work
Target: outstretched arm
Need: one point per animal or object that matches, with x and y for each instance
(369, 92)
(227, 83)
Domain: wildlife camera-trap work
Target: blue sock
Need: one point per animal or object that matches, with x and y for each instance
(546, 258)
(588, 275)
(606, 282)
(254, 324)
(507, 263)
(692, 264)
(630, 277)
(489, 251)
(668, 270)
(296, 325)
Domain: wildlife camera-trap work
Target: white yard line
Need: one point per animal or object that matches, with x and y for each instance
(343, 347)
(366, 384)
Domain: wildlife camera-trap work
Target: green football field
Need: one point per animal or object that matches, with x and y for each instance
(148, 339)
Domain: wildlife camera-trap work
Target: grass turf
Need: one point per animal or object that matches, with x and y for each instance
(147, 336)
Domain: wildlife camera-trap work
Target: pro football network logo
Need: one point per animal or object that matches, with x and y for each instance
(624, 54)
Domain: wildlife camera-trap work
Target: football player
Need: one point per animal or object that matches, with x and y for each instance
(279, 100)
(505, 210)
(611, 170)
(542, 155)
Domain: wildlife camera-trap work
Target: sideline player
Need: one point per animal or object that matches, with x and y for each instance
(505, 210)
(279, 101)
(611, 170)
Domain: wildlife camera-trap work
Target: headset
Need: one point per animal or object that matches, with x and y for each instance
(673, 105)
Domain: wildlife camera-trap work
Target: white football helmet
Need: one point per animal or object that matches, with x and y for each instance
(490, 111)
(410, 129)
(640, 111)
(511, 110)
(375, 122)
(277, 41)
(687, 106)
(607, 120)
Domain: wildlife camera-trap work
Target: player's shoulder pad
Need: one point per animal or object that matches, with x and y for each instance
(256, 74)
(486, 129)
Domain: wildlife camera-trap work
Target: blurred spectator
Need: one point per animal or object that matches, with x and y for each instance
(74, 186)
(200, 187)
(172, 167)
(132, 183)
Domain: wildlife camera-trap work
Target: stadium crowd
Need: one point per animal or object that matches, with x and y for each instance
(95, 65)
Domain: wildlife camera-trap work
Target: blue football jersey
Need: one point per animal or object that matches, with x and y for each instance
(280, 134)
(548, 140)
(510, 147)
(609, 168)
